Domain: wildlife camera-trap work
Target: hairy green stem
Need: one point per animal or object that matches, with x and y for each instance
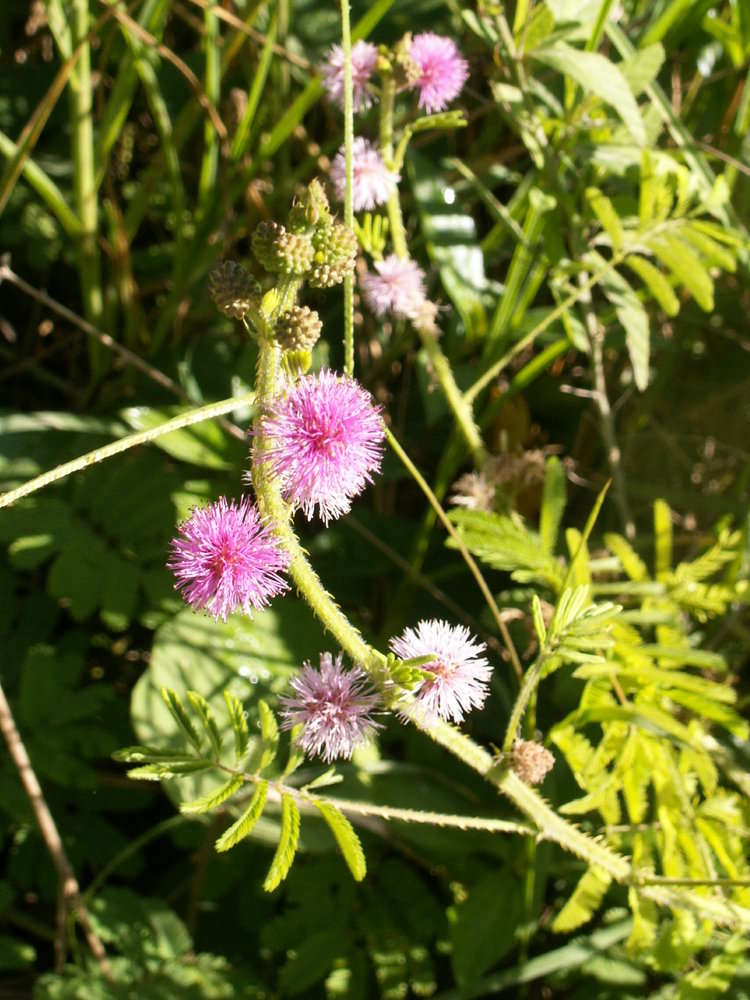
(529, 686)
(131, 441)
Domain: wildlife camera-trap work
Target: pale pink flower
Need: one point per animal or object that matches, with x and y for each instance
(364, 60)
(334, 707)
(226, 559)
(461, 674)
(326, 439)
(444, 70)
(397, 287)
(372, 182)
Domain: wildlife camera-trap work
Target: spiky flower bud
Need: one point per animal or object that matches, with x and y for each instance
(233, 289)
(280, 251)
(298, 329)
(335, 248)
(531, 761)
(311, 209)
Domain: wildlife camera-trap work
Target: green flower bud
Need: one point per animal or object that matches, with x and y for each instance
(311, 209)
(233, 289)
(298, 329)
(280, 251)
(335, 248)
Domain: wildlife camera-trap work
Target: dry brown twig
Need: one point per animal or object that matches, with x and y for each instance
(69, 893)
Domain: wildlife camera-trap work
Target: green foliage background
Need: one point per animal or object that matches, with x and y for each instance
(594, 236)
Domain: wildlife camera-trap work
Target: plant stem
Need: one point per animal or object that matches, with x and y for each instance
(131, 441)
(346, 44)
(84, 173)
(273, 507)
(69, 894)
(530, 682)
(460, 545)
(606, 418)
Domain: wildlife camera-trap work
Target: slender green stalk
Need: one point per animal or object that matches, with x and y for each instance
(494, 370)
(529, 686)
(117, 447)
(212, 87)
(461, 410)
(346, 44)
(84, 172)
(460, 545)
(45, 187)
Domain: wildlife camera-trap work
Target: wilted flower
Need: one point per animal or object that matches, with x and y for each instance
(364, 60)
(443, 70)
(531, 761)
(326, 439)
(334, 707)
(372, 182)
(461, 674)
(226, 559)
(397, 287)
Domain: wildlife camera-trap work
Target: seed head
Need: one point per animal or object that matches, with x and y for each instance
(233, 289)
(531, 761)
(298, 329)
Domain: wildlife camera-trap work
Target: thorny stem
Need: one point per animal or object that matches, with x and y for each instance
(69, 892)
(529, 686)
(606, 418)
(123, 444)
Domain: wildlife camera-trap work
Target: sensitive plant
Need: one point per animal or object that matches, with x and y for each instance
(652, 737)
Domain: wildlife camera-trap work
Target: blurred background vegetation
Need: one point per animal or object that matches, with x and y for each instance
(141, 143)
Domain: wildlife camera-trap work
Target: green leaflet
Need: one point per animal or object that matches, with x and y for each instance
(177, 710)
(239, 725)
(554, 498)
(586, 899)
(287, 847)
(215, 799)
(206, 716)
(242, 827)
(346, 838)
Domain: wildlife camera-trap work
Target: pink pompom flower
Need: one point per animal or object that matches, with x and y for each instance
(443, 70)
(334, 707)
(372, 182)
(364, 60)
(396, 287)
(461, 675)
(226, 559)
(326, 439)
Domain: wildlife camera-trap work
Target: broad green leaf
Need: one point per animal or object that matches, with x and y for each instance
(684, 263)
(205, 444)
(242, 827)
(215, 799)
(642, 68)
(483, 927)
(554, 498)
(597, 75)
(248, 657)
(346, 838)
(656, 283)
(586, 899)
(452, 243)
(284, 856)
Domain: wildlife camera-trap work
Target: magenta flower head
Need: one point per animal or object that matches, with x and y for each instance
(326, 439)
(443, 70)
(226, 559)
(334, 707)
(461, 674)
(396, 287)
(364, 60)
(372, 182)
